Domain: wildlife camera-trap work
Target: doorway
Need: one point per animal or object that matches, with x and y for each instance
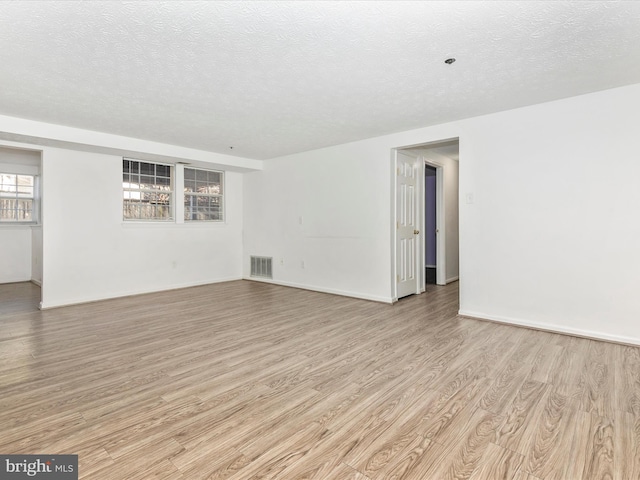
(430, 226)
(20, 222)
(435, 257)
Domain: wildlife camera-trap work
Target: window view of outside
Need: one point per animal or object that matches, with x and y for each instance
(202, 195)
(147, 191)
(16, 197)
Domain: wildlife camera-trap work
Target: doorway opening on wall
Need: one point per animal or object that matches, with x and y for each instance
(20, 225)
(430, 225)
(425, 221)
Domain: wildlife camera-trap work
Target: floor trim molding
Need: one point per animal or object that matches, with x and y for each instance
(343, 293)
(99, 298)
(546, 327)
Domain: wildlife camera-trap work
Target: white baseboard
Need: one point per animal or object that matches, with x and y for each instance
(131, 293)
(14, 280)
(344, 293)
(452, 279)
(429, 266)
(548, 327)
(36, 282)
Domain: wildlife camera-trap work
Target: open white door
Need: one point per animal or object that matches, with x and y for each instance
(407, 273)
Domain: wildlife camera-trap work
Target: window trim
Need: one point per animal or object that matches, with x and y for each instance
(208, 195)
(35, 199)
(177, 196)
(171, 193)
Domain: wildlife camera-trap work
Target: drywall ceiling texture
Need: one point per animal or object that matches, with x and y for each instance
(273, 78)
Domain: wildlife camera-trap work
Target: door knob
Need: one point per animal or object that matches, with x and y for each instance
(416, 232)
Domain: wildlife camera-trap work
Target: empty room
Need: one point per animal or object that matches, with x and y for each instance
(320, 240)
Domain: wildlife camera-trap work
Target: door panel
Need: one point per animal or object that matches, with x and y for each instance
(406, 227)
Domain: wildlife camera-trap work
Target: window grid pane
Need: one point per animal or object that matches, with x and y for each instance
(203, 199)
(17, 196)
(147, 191)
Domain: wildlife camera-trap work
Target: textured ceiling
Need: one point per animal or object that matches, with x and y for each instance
(272, 78)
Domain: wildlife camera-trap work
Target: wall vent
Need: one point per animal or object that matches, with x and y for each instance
(261, 267)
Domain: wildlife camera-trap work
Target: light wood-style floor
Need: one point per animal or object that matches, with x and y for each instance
(247, 380)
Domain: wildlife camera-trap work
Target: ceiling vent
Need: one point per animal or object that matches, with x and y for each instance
(261, 267)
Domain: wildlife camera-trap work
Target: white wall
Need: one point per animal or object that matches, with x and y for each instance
(550, 240)
(342, 195)
(451, 182)
(90, 253)
(36, 254)
(15, 254)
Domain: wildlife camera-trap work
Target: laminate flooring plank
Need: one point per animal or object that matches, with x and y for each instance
(375, 451)
(218, 464)
(521, 474)
(598, 384)
(340, 472)
(545, 357)
(90, 460)
(520, 414)
(163, 469)
(597, 380)
(567, 370)
(404, 460)
(448, 411)
(30, 437)
(547, 438)
(465, 454)
(626, 446)
(273, 458)
(592, 452)
(626, 389)
(130, 428)
(415, 462)
(146, 461)
(359, 439)
(379, 401)
(498, 464)
(508, 381)
(330, 450)
(240, 423)
(318, 464)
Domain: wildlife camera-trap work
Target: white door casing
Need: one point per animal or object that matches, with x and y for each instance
(406, 241)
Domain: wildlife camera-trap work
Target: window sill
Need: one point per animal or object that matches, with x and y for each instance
(19, 224)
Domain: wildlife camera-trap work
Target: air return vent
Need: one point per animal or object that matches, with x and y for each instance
(261, 267)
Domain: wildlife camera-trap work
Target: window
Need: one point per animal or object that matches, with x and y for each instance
(147, 190)
(17, 198)
(202, 195)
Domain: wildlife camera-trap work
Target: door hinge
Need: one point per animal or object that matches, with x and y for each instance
(397, 278)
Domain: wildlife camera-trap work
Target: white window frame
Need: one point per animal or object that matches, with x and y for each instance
(220, 196)
(131, 191)
(34, 197)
